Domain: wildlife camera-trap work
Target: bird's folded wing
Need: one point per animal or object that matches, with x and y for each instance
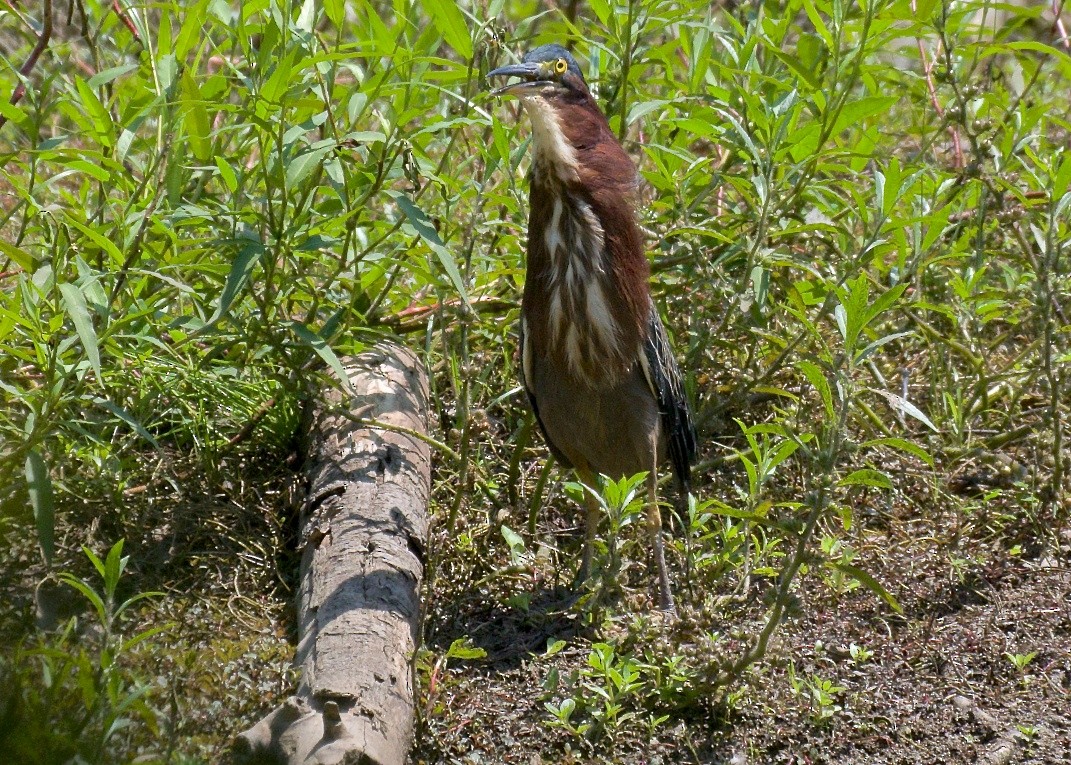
(664, 377)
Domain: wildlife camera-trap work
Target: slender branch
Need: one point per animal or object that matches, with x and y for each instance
(927, 68)
(123, 17)
(31, 62)
(1058, 24)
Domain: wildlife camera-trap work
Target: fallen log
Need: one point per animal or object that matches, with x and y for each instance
(363, 532)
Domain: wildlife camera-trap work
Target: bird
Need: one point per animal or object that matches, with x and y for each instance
(596, 362)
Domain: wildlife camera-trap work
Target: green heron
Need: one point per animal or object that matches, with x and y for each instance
(595, 360)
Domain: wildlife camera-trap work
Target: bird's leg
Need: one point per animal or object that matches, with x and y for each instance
(654, 528)
(592, 511)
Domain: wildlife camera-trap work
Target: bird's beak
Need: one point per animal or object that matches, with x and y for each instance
(531, 74)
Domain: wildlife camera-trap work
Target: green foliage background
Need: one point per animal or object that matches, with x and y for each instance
(858, 219)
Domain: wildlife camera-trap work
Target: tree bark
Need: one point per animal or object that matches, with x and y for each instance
(363, 533)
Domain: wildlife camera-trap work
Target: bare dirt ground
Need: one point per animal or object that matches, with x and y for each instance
(937, 683)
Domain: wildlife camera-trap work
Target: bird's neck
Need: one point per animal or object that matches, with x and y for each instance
(553, 156)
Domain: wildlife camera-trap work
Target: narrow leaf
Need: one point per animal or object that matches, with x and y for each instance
(903, 445)
(306, 20)
(419, 221)
(241, 268)
(817, 378)
(98, 239)
(868, 581)
(21, 258)
(198, 124)
(450, 22)
(113, 73)
(323, 350)
(89, 593)
(336, 11)
(226, 172)
(300, 167)
(75, 304)
(94, 109)
(867, 477)
(43, 503)
(128, 418)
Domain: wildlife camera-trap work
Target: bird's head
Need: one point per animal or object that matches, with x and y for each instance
(548, 72)
(565, 118)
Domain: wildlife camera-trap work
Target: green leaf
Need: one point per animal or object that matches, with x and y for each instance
(870, 349)
(868, 581)
(98, 115)
(11, 112)
(141, 637)
(1059, 57)
(114, 565)
(419, 221)
(819, 23)
(866, 477)
(883, 303)
(448, 19)
(98, 239)
(191, 32)
(93, 171)
(198, 125)
(112, 73)
(321, 349)
(306, 20)
(98, 564)
(365, 136)
(301, 166)
(720, 508)
(89, 593)
(804, 65)
(75, 304)
(43, 503)
(513, 539)
(902, 445)
(855, 112)
(817, 378)
(923, 10)
(278, 82)
(462, 648)
(336, 11)
(21, 258)
(128, 418)
(602, 10)
(226, 172)
(893, 178)
(241, 268)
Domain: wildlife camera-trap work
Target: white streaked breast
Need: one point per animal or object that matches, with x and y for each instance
(552, 237)
(602, 320)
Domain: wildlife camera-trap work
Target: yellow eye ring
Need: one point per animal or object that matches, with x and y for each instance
(561, 65)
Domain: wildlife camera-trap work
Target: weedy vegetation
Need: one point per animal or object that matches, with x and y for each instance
(858, 215)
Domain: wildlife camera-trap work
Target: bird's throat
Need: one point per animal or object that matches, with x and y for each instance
(552, 154)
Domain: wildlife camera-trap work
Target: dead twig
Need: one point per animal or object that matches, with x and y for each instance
(414, 318)
(123, 17)
(1058, 24)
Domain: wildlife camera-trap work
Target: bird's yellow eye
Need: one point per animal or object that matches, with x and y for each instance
(561, 65)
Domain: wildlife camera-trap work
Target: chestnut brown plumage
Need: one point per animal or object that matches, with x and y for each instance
(595, 359)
